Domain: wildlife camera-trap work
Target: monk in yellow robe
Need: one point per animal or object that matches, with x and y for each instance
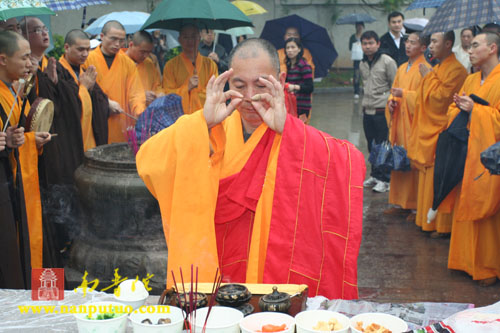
(17, 67)
(475, 240)
(139, 50)
(249, 189)
(188, 73)
(118, 77)
(399, 114)
(434, 96)
(292, 32)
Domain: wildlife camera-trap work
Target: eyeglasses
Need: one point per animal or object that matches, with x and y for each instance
(40, 30)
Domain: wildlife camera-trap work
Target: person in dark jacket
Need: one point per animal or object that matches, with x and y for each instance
(392, 42)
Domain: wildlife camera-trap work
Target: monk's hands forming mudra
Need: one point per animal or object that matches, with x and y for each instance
(215, 109)
(271, 105)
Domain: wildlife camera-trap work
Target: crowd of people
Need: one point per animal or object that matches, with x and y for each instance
(410, 99)
(253, 188)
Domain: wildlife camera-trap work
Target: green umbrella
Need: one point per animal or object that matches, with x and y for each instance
(16, 8)
(206, 14)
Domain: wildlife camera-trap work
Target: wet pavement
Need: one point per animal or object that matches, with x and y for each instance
(397, 261)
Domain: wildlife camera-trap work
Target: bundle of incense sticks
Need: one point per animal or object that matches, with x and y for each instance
(132, 139)
(191, 298)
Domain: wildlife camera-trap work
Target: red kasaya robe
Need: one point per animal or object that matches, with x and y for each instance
(275, 209)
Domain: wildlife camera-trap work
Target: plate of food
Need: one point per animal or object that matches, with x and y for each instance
(377, 323)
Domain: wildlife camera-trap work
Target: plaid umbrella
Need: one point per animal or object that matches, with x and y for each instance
(425, 4)
(58, 5)
(456, 14)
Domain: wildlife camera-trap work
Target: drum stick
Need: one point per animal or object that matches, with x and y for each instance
(21, 84)
(53, 135)
(128, 115)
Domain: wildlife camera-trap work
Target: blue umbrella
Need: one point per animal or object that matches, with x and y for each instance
(425, 4)
(57, 5)
(160, 114)
(132, 21)
(456, 14)
(314, 37)
(355, 17)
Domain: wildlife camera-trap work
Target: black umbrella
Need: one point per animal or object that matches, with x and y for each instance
(491, 158)
(451, 153)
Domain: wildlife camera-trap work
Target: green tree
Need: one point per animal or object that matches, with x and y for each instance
(58, 49)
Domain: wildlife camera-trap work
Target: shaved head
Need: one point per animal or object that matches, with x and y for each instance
(112, 25)
(10, 24)
(75, 34)
(492, 38)
(9, 42)
(449, 36)
(252, 48)
(142, 37)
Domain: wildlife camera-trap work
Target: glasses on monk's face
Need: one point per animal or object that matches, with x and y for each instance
(40, 30)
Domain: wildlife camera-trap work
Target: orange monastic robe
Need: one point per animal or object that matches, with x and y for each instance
(122, 84)
(150, 75)
(224, 210)
(404, 185)
(475, 240)
(177, 73)
(86, 118)
(434, 95)
(28, 159)
(307, 55)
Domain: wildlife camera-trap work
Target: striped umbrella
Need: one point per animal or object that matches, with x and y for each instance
(456, 14)
(58, 5)
(425, 4)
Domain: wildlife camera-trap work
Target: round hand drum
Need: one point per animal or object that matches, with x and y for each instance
(40, 116)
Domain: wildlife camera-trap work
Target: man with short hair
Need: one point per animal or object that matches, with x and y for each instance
(15, 263)
(188, 73)
(293, 32)
(475, 240)
(462, 51)
(377, 71)
(434, 95)
(209, 48)
(118, 77)
(399, 114)
(11, 24)
(392, 42)
(239, 181)
(139, 50)
(94, 111)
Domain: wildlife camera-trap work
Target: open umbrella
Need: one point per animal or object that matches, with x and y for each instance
(160, 114)
(354, 18)
(206, 14)
(131, 21)
(313, 37)
(425, 4)
(415, 24)
(249, 7)
(451, 153)
(10, 9)
(58, 5)
(456, 14)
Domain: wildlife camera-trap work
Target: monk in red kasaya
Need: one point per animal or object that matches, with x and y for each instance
(255, 192)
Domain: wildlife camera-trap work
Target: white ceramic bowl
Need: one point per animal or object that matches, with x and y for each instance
(392, 323)
(115, 325)
(306, 320)
(254, 322)
(136, 297)
(222, 319)
(155, 312)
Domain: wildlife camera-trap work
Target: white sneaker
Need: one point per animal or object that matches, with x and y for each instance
(381, 187)
(356, 96)
(370, 182)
